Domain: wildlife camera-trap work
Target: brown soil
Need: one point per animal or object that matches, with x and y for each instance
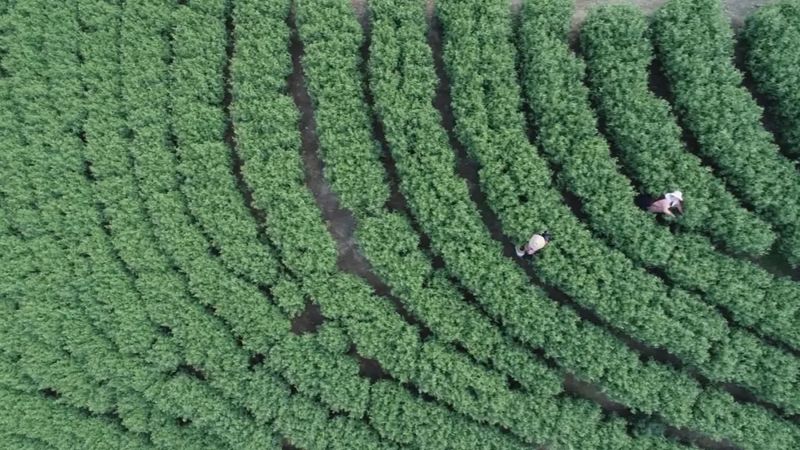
(738, 10)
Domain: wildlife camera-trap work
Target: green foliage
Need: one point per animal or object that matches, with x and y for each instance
(426, 425)
(402, 80)
(313, 369)
(256, 321)
(63, 347)
(269, 144)
(68, 428)
(567, 133)
(591, 273)
(772, 37)
(261, 327)
(59, 244)
(618, 53)
(695, 44)
(309, 427)
(205, 163)
(647, 135)
(142, 306)
(210, 348)
(516, 183)
(377, 331)
(332, 36)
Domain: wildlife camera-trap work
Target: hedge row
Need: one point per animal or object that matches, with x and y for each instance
(212, 350)
(76, 252)
(270, 148)
(205, 161)
(618, 53)
(260, 325)
(199, 47)
(24, 415)
(98, 285)
(516, 182)
(567, 133)
(181, 395)
(645, 133)
(403, 82)
(590, 272)
(694, 42)
(332, 38)
(267, 136)
(294, 357)
(772, 40)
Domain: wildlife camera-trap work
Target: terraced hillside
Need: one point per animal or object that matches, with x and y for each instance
(291, 224)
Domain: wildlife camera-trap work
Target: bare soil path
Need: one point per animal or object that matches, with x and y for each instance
(738, 10)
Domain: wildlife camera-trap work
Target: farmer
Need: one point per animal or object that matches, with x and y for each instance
(536, 243)
(665, 204)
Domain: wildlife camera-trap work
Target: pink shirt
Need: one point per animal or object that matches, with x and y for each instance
(661, 206)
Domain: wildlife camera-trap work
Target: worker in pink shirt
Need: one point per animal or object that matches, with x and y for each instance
(664, 204)
(535, 243)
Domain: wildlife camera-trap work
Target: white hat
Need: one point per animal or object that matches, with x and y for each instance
(676, 194)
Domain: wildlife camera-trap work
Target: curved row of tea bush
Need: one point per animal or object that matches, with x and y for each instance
(567, 133)
(57, 331)
(772, 39)
(332, 38)
(268, 141)
(205, 162)
(163, 206)
(694, 43)
(144, 306)
(24, 413)
(329, 32)
(254, 320)
(516, 182)
(261, 325)
(402, 80)
(74, 316)
(253, 48)
(181, 395)
(294, 358)
(444, 211)
(646, 135)
(618, 54)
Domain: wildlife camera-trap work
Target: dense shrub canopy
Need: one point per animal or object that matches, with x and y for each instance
(289, 224)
